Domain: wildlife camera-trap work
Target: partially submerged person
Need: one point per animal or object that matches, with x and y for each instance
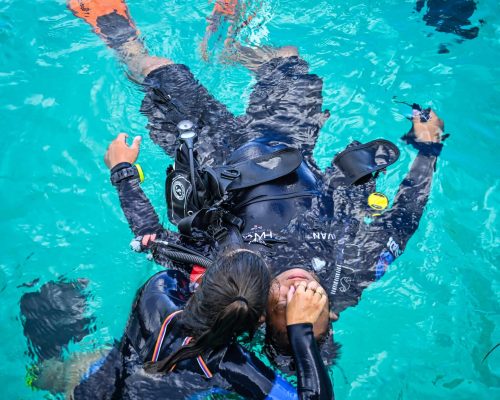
(172, 329)
(176, 335)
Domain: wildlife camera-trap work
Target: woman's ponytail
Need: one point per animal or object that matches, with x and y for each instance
(229, 302)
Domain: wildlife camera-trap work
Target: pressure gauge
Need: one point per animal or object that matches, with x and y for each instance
(185, 125)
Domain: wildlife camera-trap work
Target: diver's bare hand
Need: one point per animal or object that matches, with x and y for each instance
(118, 151)
(305, 303)
(147, 240)
(429, 131)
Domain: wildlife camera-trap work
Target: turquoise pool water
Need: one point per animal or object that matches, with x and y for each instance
(421, 332)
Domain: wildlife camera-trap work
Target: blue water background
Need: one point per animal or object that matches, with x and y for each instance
(421, 332)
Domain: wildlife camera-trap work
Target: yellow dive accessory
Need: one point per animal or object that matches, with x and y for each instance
(378, 202)
(140, 172)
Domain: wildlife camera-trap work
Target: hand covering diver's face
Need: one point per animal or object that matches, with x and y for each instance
(277, 303)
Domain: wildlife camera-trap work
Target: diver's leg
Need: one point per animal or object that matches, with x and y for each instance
(53, 317)
(172, 92)
(229, 11)
(286, 103)
(111, 20)
(214, 21)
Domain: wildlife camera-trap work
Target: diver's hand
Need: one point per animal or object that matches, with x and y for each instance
(118, 151)
(147, 240)
(429, 131)
(305, 303)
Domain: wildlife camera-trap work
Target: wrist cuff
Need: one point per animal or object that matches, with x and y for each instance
(123, 171)
(120, 166)
(428, 148)
(299, 329)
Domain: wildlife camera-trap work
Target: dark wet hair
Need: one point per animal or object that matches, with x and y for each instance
(230, 300)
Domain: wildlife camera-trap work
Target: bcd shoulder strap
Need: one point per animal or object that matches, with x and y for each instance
(259, 170)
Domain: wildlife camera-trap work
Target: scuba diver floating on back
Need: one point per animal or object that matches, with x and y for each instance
(252, 180)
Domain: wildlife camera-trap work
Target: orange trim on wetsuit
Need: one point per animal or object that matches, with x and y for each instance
(91, 10)
(161, 337)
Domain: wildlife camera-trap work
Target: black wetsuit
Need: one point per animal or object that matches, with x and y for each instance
(326, 231)
(121, 376)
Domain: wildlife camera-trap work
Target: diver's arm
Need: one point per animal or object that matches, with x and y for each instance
(137, 208)
(313, 379)
(304, 305)
(249, 377)
(413, 194)
(402, 220)
(374, 248)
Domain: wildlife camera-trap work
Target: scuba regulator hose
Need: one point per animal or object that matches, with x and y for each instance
(179, 254)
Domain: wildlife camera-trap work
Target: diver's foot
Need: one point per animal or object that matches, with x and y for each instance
(48, 375)
(62, 376)
(90, 10)
(110, 19)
